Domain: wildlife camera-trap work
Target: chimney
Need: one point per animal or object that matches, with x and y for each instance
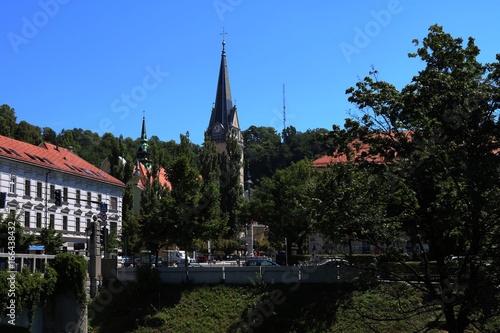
(70, 148)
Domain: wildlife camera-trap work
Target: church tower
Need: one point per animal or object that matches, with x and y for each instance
(224, 119)
(142, 153)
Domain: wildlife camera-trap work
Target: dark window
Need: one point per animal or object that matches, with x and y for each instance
(52, 190)
(27, 187)
(38, 189)
(26, 219)
(65, 223)
(39, 220)
(52, 221)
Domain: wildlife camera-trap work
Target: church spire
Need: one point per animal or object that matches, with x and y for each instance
(223, 102)
(142, 153)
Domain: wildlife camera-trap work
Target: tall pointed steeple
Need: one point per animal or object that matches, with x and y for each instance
(142, 153)
(224, 118)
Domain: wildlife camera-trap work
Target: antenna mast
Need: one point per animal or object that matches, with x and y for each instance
(284, 109)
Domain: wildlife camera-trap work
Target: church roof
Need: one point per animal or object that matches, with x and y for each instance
(143, 177)
(52, 157)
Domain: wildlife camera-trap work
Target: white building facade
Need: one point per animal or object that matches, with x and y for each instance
(30, 177)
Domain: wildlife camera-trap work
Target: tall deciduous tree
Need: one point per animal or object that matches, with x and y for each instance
(230, 184)
(283, 203)
(210, 215)
(441, 133)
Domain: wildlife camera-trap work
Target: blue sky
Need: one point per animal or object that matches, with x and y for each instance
(98, 65)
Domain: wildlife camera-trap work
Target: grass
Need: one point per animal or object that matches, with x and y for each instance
(266, 308)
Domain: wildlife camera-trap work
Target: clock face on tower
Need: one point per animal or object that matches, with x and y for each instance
(217, 128)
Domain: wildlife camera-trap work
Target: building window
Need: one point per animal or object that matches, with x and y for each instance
(27, 187)
(77, 224)
(114, 203)
(52, 190)
(39, 220)
(65, 222)
(99, 199)
(12, 188)
(89, 198)
(26, 219)
(77, 199)
(65, 194)
(38, 189)
(88, 223)
(52, 221)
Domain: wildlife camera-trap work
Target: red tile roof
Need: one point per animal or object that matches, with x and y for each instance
(162, 177)
(49, 156)
(358, 148)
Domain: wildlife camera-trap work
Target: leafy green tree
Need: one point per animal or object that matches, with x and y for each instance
(28, 133)
(439, 135)
(154, 229)
(230, 184)
(212, 219)
(22, 239)
(350, 203)
(181, 208)
(262, 151)
(51, 239)
(49, 135)
(283, 203)
(7, 121)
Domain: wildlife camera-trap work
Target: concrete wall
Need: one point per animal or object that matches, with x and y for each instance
(250, 275)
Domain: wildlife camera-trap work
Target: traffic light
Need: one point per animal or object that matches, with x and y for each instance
(3, 197)
(57, 197)
(104, 238)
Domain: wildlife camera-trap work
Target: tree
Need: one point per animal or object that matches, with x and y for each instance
(22, 239)
(212, 219)
(51, 239)
(181, 207)
(350, 204)
(7, 121)
(440, 137)
(283, 203)
(28, 133)
(230, 185)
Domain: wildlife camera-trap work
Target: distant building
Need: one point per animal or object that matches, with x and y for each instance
(30, 176)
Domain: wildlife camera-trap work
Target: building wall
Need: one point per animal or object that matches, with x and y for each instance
(41, 206)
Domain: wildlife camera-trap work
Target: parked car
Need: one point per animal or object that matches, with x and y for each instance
(193, 263)
(333, 262)
(260, 262)
(126, 261)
